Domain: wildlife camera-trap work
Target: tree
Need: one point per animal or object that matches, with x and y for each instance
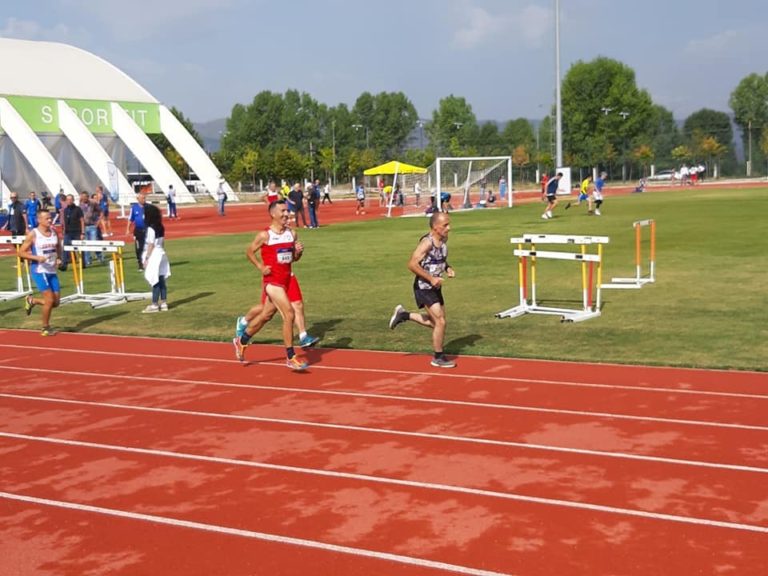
(387, 118)
(749, 102)
(290, 164)
(704, 125)
(602, 109)
(643, 155)
(521, 158)
(682, 154)
(712, 150)
(453, 126)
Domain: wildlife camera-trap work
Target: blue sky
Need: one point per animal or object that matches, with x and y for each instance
(204, 56)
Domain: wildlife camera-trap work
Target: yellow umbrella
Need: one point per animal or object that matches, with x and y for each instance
(395, 167)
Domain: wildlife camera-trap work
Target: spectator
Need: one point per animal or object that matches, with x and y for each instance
(136, 220)
(32, 207)
(92, 215)
(221, 197)
(313, 200)
(16, 222)
(171, 197)
(73, 225)
(327, 193)
(360, 198)
(154, 259)
(102, 198)
(296, 197)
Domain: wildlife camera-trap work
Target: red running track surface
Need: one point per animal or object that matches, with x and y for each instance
(144, 456)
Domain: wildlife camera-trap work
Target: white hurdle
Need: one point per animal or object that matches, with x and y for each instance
(588, 261)
(640, 280)
(22, 271)
(117, 293)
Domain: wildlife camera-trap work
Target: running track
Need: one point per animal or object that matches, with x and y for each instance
(127, 456)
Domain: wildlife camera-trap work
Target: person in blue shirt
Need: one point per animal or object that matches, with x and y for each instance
(32, 207)
(136, 220)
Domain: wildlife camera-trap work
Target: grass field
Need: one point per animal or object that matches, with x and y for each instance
(707, 308)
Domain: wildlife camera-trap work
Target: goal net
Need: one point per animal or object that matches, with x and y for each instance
(459, 183)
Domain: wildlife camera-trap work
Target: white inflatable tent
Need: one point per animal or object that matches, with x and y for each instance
(68, 118)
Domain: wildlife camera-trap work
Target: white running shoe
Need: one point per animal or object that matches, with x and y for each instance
(597, 212)
(151, 309)
(544, 216)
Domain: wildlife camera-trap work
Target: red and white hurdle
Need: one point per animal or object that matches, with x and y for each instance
(640, 279)
(591, 275)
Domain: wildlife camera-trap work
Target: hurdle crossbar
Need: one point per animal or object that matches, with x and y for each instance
(639, 280)
(23, 279)
(117, 293)
(528, 256)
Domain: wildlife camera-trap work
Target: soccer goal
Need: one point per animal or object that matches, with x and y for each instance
(461, 183)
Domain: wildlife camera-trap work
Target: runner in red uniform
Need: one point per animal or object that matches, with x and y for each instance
(278, 247)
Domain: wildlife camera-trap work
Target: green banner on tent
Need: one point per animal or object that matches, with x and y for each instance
(42, 114)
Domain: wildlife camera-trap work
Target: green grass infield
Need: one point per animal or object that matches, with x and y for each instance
(707, 308)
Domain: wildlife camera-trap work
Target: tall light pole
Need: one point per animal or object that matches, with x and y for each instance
(749, 162)
(333, 148)
(420, 124)
(624, 115)
(558, 102)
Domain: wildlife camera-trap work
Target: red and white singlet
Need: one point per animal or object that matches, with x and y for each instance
(277, 253)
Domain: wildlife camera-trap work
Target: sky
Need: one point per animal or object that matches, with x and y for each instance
(205, 56)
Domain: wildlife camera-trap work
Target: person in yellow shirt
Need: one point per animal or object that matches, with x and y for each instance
(586, 188)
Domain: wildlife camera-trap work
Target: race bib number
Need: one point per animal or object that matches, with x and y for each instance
(284, 256)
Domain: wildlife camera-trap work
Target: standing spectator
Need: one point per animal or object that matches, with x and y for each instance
(429, 263)
(502, 187)
(327, 193)
(551, 195)
(417, 192)
(103, 200)
(92, 215)
(398, 199)
(42, 247)
(154, 259)
(58, 203)
(296, 198)
(73, 224)
(221, 197)
(313, 199)
(171, 197)
(272, 194)
(139, 231)
(46, 201)
(32, 207)
(16, 221)
(360, 198)
(544, 180)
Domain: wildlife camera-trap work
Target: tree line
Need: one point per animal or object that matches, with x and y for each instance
(608, 123)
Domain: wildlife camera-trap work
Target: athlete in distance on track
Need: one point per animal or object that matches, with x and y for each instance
(273, 251)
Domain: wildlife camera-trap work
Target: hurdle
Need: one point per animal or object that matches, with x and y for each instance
(639, 280)
(22, 271)
(589, 261)
(117, 293)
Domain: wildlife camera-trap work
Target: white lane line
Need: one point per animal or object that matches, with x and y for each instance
(570, 363)
(398, 482)
(178, 523)
(442, 375)
(462, 403)
(442, 437)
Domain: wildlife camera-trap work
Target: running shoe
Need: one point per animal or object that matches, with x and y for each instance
(443, 362)
(47, 331)
(28, 305)
(151, 309)
(296, 364)
(308, 341)
(240, 326)
(399, 316)
(239, 349)
(568, 205)
(164, 307)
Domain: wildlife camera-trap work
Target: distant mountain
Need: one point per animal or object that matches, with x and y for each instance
(211, 132)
